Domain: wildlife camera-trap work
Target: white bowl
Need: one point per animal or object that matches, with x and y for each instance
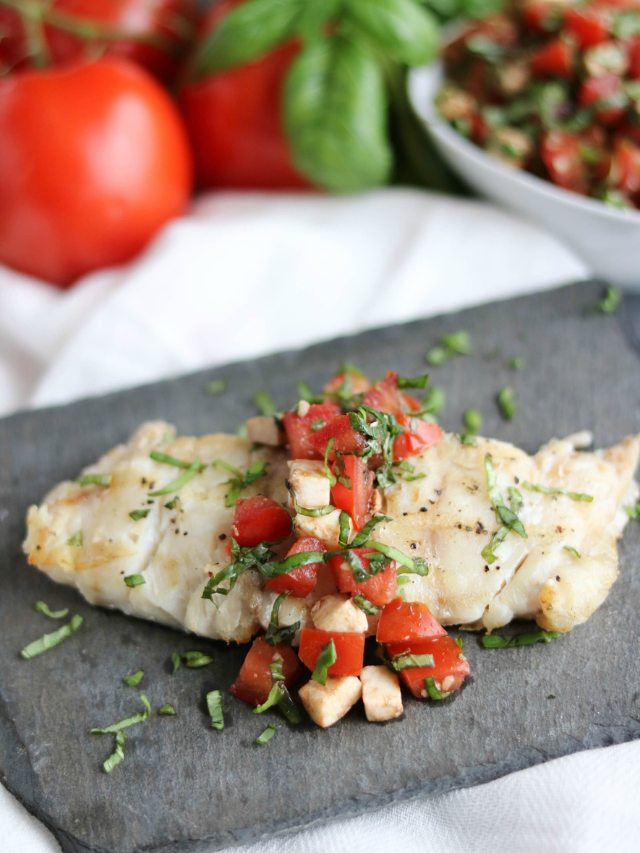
(606, 237)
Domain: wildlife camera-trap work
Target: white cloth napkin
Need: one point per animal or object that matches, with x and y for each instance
(244, 275)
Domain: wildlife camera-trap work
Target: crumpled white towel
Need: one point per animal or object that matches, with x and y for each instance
(244, 275)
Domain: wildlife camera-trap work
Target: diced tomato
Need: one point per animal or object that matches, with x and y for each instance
(587, 26)
(357, 499)
(359, 384)
(260, 519)
(479, 128)
(411, 404)
(299, 432)
(379, 590)
(300, 582)
(448, 672)
(594, 138)
(407, 620)
(347, 440)
(385, 396)
(541, 16)
(626, 166)
(349, 649)
(553, 60)
(598, 90)
(633, 49)
(563, 159)
(417, 436)
(254, 683)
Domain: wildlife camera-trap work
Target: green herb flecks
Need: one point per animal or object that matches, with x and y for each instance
(240, 481)
(557, 490)
(275, 632)
(433, 691)
(406, 661)
(389, 473)
(610, 302)
(136, 678)
(633, 511)
(279, 695)
(507, 404)
(167, 711)
(134, 580)
(195, 660)
(95, 480)
(273, 569)
(76, 540)
(264, 403)
(214, 707)
(172, 460)
(331, 477)
(176, 660)
(345, 529)
(573, 551)
(365, 605)
(317, 512)
(507, 516)
(215, 387)
(179, 482)
(516, 363)
(380, 433)
(416, 566)
(419, 382)
(242, 559)
(141, 717)
(266, 735)
(473, 420)
(173, 503)
(118, 754)
(43, 608)
(137, 514)
(492, 641)
(458, 343)
(327, 657)
(433, 400)
(48, 641)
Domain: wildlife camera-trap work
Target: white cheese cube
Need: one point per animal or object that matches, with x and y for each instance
(328, 703)
(303, 408)
(325, 527)
(380, 693)
(309, 482)
(338, 613)
(265, 430)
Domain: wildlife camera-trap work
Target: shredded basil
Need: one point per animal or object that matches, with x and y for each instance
(610, 302)
(279, 695)
(460, 642)
(406, 661)
(362, 537)
(311, 513)
(473, 420)
(492, 641)
(557, 490)
(243, 559)
(275, 633)
(171, 460)
(508, 517)
(180, 481)
(345, 529)
(283, 567)
(516, 363)
(305, 393)
(266, 735)
(365, 605)
(134, 580)
(137, 514)
(136, 678)
(417, 566)
(433, 400)
(214, 707)
(240, 481)
(380, 433)
(118, 754)
(76, 540)
(215, 387)
(173, 503)
(43, 608)
(458, 343)
(167, 711)
(264, 403)
(433, 691)
(633, 511)
(506, 403)
(327, 657)
(438, 355)
(331, 477)
(194, 660)
(317, 425)
(418, 382)
(48, 641)
(176, 660)
(466, 438)
(129, 721)
(573, 551)
(95, 480)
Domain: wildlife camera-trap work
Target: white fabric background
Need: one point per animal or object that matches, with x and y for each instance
(244, 275)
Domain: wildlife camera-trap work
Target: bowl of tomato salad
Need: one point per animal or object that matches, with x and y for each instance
(539, 109)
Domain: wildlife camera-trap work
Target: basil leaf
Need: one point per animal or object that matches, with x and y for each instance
(76, 540)
(416, 566)
(489, 551)
(360, 538)
(335, 115)
(515, 499)
(263, 401)
(130, 721)
(266, 735)
(400, 29)
(194, 660)
(433, 400)
(215, 387)
(345, 528)
(460, 642)
(283, 567)
(327, 657)
(433, 691)
(95, 480)
(137, 514)
(438, 355)
(173, 503)
(516, 363)
(118, 754)
(311, 513)
(48, 641)
(247, 33)
(305, 393)
(181, 481)
(457, 342)
(276, 634)
(573, 551)
(134, 580)
(491, 641)
(632, 511)
(176, 661)
(557, 490)
(407, 661)
(244, 558)
(506, 403)
(610, 302)
(167, 711)
(43, 608)
(418, 382)
(132, 680)
(214, 706)
(331, 477)
(466, 438)
(512, 521)
(473, 420)
(365, 605)
(279, 695)
(220, 463)
(171, 460)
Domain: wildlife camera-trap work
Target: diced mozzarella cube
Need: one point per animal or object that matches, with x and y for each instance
(328, 703)
(265, 430)
(303, 408)
(309, 482)
(325, 527)
(338, 613)
(380, 693)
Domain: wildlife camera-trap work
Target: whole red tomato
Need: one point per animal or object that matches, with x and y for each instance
(152, 33)
(94, 159)
(234, 119)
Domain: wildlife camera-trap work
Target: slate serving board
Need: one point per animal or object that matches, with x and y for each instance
(185, 787)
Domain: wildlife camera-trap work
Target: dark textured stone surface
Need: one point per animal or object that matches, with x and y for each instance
(186, 787)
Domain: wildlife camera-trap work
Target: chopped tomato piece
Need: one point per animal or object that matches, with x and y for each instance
(407, 620)
(301, 581)
(259, 519)
(254, 683)
(385, 395)
(347, 440)
(553, 60)
(357, 499)
(564, 161)
(418, 436)
(633, 49)
(587, 26)
(359, 384)
(379, 590)
(541, 16)
(349, 650)
(449, 671)
(300, 432)
(411, 404)
(600, 91)
(626, 166)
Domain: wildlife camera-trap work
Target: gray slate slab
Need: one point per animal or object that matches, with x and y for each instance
(185, 787)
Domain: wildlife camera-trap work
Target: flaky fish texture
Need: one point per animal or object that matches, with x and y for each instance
(448, 519)
(445, 517)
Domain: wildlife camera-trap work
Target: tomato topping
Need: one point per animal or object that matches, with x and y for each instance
(539, 16)
(626, 166)
(448, 672)
(564, 161)
(359, 384)
(349, 650)
(554, 59)
(633, 49)
(418, 436)
(599, 90)
(347, 440)
(357, 499)
(300, 433)
(300, 582)
(379, 590)
(259, 519)
(385, 396)
(587, 26)
(254, 683)
(407, 620)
